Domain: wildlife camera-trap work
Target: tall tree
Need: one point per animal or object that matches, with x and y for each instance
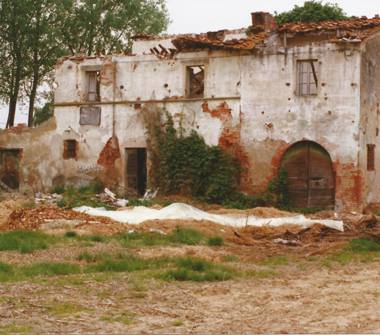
(46, 21)
(312, 11)
(13, 38)
(35, 33)
(106, 26)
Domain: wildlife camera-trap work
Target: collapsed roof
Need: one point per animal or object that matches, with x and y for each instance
(352, 30)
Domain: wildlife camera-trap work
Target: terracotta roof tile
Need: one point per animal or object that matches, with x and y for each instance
(351, 24)
(202, 41)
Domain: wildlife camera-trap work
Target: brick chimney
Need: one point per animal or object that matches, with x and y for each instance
(262, 21)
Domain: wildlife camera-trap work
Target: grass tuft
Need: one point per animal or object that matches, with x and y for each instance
(198, 270)
(71, 234)
(215, 241)
(186, 236)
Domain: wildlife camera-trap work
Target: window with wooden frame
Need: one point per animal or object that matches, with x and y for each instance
(70, 149)
(93, 88)
(195, 81)
(307, 77)
(371, 157)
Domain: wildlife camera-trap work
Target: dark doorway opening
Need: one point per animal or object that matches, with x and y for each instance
(310, 176)
(136, 171)
(10, 167)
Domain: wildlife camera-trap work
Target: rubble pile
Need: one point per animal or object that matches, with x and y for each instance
(34, 218)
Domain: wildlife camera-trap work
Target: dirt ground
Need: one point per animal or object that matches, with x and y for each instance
(302, 294)
(300, 299)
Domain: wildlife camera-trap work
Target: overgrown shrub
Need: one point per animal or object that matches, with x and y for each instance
(185, 164)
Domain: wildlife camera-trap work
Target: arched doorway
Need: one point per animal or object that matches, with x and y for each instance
(310, 176)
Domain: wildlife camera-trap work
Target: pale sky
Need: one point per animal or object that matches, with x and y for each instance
(195, 16)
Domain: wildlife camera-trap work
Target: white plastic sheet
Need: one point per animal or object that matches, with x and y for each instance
(178, 211)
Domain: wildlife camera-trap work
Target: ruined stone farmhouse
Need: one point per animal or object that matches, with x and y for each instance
(299, 97)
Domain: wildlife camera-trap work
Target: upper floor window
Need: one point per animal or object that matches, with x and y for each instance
(307, 77)
(195, 81)
(93, 88)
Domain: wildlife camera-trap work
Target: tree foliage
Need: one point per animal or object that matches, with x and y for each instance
(43, 113)
(312, 11)
(106, 26)
(35, 33)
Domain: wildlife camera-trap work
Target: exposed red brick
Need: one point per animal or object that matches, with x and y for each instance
(230, 140)
(110, 153)
(349, 184)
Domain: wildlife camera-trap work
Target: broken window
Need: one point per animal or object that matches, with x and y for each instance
(307, 77)
(195, 81)
(93, 92)
(371, 157)
(70, 148)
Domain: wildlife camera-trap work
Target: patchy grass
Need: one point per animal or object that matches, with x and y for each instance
(50, 269)
(198, 270)
(364, 245)
(177, 323)
(125, 318)
(63, 309)
(24, 241)
(137, 239)
(230, 258)
(122, 263)
(276, 261)
(71, 234)
(186, 236)
(15, 329)
(6, 272)
(83, 196)
(358, 250)
(87, 257)
(261, 274)
(215, 241)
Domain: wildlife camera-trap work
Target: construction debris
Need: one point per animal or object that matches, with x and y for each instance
(50, 199)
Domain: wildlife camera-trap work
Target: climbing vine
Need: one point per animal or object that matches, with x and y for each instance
(184, 164)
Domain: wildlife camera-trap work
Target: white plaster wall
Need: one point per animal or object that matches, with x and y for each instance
(330, 118)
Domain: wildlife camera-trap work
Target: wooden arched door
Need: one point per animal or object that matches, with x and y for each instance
(310, 176)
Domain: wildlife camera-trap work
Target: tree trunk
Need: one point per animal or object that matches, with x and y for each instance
(12, 111)
(32, 99)
(14, 94)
